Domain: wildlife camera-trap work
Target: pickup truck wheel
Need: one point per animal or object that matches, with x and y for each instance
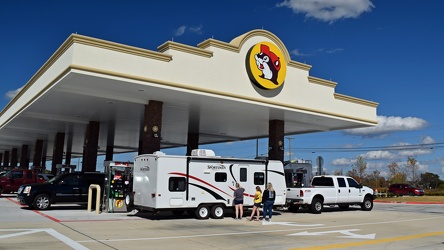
(42, 202)
(367, 204)
(316, 206)
(202, 212)
(217, 212)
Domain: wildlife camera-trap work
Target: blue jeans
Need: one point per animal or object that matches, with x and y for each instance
(268, 209)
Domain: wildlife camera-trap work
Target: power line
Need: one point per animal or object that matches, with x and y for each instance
(392, 148)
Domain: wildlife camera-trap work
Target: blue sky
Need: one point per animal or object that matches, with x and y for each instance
(390, 52)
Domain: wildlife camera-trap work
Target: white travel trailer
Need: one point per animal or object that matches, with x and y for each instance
(202, 184)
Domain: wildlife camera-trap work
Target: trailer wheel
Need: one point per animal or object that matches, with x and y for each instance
(202, 212)
(316, 206)
(217, 212)
(367, 204)
(129, 202)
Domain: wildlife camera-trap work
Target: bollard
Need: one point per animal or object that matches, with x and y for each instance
(98, 192)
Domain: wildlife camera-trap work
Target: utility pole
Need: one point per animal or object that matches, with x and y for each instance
(289, 147)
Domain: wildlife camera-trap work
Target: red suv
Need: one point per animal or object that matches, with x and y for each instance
(405, 189)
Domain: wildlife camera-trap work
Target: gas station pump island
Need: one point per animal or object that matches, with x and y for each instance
(118, 183)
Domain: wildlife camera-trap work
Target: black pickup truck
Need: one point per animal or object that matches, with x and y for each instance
(66, 188)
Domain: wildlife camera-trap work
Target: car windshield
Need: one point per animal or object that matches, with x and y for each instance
(56, 178)
(6, 173)
(410, 186)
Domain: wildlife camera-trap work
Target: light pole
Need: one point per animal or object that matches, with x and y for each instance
(289, 147)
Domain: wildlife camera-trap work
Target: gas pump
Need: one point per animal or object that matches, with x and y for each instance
(118, 182)
(65, 168)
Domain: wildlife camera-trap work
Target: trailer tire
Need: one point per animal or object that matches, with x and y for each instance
(217, 212)
(316, 206)
(129, 202)
(202, 212)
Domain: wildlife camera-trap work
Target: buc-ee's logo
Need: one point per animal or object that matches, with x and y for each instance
(266, 65)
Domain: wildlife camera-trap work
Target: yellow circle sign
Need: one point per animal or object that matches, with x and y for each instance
(119, 203)
(266, 65)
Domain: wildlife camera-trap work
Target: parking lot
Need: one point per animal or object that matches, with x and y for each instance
(387, 226)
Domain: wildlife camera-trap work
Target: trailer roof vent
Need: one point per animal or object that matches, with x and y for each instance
(202, 152)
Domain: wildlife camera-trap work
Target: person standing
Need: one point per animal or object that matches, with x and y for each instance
(239, 201)
(257, 203)
(268, 200)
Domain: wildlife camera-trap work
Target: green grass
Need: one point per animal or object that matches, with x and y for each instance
(406, 198)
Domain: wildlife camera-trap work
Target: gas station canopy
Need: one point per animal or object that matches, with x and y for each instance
(209, 90)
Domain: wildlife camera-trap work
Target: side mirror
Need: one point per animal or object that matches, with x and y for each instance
(359, 186)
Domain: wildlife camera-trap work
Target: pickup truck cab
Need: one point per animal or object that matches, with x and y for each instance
(331, 190)
(67, 188)
(12, 180)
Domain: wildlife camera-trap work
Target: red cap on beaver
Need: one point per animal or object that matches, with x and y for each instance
(274, 58)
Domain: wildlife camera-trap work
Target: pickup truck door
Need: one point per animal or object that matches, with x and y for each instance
(355, 194)
(69, 189)
(343, 191)
(17, 178)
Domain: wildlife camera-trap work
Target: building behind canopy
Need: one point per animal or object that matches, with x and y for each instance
(95, 97)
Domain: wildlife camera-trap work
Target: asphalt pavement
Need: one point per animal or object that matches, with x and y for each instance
(387, 226)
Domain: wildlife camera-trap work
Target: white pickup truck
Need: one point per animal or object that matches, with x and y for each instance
(330, 190)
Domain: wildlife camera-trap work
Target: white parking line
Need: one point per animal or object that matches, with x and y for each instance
(260, 232)
(73, 244)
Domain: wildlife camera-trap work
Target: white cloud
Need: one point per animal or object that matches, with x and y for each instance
(388, 125)
(427, 140)
(297, 52)
(414, 152)
(379, 155)
(328, 10)
(180, 31)
(343, 162)
(193, 29)
(12, 93)
(196, 29)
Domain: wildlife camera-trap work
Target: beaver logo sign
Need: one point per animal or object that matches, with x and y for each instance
(266, 65)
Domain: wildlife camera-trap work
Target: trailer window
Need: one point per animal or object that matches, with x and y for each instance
(220, 177)
(259, 178)
(243, 175)
(176, 184)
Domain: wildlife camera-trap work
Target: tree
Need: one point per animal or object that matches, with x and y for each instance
(412, 168)
(396, 175)
(393, 170)
(374, 179)
(358, 171)
(429, 180)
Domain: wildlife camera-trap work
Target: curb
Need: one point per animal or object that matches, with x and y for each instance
(409, 202)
